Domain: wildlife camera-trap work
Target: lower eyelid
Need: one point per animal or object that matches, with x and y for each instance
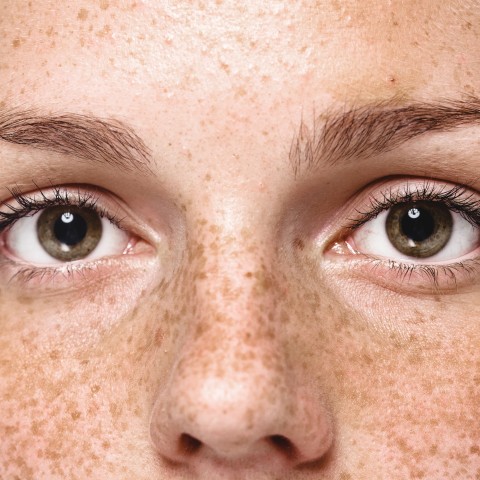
(411, 278)
(70, 277)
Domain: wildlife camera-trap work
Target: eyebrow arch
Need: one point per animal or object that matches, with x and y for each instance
(342, 136)
(108, 142)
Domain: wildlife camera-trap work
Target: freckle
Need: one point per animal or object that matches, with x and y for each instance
(82, 14)
(54, 354)
(299, 243)
(240, 92)
(95, 388)
(415, 359)
(104, 4)
(158, 337)
(16, 43)
(25, 300)
(104, 31)
(75, 415)
(367, 358)
(115, 410)
(36, 429)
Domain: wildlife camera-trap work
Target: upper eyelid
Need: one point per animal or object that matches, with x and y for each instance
(20, 204)
(114, 208)
(457, 197)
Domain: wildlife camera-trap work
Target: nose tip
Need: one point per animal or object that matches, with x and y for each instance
(237, 425)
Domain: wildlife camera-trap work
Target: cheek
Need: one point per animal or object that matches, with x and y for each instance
(76, 382)
(401, 381)
(416, 407)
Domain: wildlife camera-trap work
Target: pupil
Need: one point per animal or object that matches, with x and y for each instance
(70, 229)
(418, 224)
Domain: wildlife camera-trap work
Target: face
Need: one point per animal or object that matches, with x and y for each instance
(239, 241)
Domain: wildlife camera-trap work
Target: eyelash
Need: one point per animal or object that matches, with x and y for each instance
(29, 205)
(457, 198)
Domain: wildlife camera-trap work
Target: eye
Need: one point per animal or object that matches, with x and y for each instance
(64, 233)
(417, 230)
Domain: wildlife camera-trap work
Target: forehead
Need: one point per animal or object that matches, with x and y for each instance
(325, 39)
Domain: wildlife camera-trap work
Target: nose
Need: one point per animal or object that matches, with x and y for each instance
(233, 401)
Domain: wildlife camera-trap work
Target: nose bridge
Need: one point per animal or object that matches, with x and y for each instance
(234, 283)
(234, 326)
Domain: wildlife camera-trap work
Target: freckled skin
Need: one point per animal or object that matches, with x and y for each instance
(229, 349)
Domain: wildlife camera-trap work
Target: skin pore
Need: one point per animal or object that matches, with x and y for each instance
(239, 337)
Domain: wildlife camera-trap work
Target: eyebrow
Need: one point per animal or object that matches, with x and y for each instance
(341, 136)
(108, 142)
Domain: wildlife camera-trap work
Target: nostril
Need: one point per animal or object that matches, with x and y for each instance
(189, 445)
(283, 445)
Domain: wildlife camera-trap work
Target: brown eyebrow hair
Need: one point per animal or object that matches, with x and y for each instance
(93, 139)
(335, 135)
(339, 136)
